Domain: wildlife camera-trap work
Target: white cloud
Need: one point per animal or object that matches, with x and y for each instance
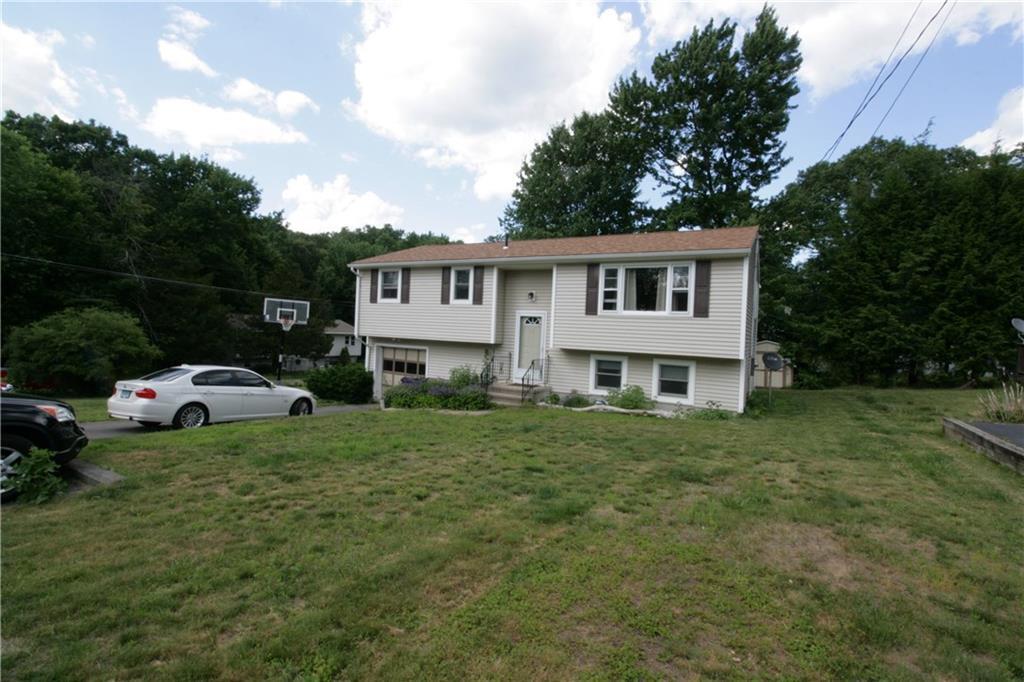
(477, 85)
(1007, 129)
(291, 102)
(185, 24)
(180, 57)
(226, 155)
(176, 45)
(87, 41)
(124, 107)
(33, 80)
(201, 126)
(471, 234)
(334, 205)
(286, 103)
(841, 42)
(349, 157)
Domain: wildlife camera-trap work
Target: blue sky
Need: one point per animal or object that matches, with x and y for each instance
(420, 113)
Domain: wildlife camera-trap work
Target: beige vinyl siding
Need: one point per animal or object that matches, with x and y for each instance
(516, 287)
(424, 317)
(714, 380)
(713, 336)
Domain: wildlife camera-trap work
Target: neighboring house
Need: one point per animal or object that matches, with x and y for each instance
(343, 337)
(672, 312)
(782, 378)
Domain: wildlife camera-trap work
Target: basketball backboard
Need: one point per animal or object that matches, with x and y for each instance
(278, 310)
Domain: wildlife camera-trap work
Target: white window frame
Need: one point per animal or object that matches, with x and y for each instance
(690, 383)
(597, 390)
(472, 286)
(620, 303)
(602, 288)
(398, 289)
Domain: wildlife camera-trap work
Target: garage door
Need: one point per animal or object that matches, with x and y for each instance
(397, 363)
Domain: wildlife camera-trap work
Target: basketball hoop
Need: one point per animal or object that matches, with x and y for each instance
(287, 319)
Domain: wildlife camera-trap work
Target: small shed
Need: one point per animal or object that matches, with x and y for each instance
(782, 378)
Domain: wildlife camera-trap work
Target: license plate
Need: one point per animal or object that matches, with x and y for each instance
(126, 393)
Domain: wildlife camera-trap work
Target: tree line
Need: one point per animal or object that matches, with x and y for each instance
(88, 220)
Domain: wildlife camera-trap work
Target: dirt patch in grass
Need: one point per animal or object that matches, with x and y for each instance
(819, 554)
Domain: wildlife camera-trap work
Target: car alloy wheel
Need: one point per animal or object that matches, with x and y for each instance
(8, 468)
(300, 408)
(191, 417)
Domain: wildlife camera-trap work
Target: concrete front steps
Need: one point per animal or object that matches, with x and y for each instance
(510, 395)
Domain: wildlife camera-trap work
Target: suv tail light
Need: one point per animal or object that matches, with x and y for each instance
(146, 393)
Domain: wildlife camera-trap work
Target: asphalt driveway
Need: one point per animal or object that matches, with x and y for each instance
(116, 428)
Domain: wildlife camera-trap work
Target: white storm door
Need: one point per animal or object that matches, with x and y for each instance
(529, 344)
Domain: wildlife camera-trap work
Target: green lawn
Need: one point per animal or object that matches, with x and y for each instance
(840, 536)
(89, 409)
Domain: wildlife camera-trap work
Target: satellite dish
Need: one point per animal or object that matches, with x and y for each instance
(773, 361)
(1018, 324)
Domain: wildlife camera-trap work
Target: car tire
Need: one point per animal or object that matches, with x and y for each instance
(301, 408)
(149, 426)
(191, 416)
(12, 450)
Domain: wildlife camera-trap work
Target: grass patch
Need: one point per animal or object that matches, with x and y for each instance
(838, 535)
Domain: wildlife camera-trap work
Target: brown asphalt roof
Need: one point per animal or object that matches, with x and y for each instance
(648, 242)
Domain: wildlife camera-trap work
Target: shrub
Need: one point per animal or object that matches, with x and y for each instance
(346, 383)
(1006, 406)
(576, 400)
(554, 399)
(463, 376)
(344, 358)
(438, 394)
(712, 412)
(630, 398)
(36, 480)
(82, 350)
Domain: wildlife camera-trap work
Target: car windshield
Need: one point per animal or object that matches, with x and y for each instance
(169, 374)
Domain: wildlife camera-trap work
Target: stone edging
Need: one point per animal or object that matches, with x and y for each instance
(993, 447)
(664, 414)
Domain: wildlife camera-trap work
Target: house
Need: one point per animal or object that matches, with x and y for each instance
(672, 312)
(782, 378)
(343, 337)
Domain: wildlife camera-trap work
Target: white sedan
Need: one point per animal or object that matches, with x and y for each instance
(190, 396)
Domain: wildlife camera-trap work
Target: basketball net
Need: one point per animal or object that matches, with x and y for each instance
(287, 322)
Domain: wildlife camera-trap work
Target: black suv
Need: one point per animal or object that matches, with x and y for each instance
(33, 422)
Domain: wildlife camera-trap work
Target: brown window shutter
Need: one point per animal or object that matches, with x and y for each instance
(406, 277)
(702, 289)
(593, 274)
(373, 286)
(446, 285)
(478, 285)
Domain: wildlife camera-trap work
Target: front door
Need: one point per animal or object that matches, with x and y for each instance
(529, 350)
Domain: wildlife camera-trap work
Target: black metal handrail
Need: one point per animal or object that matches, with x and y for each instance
(496, 367)
(532, 377)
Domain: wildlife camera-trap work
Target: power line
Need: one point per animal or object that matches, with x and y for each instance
(881, 69)
(163, 280)
(885, 80)
(921, 59)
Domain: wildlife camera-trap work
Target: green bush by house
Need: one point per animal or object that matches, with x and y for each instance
(345, 383)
